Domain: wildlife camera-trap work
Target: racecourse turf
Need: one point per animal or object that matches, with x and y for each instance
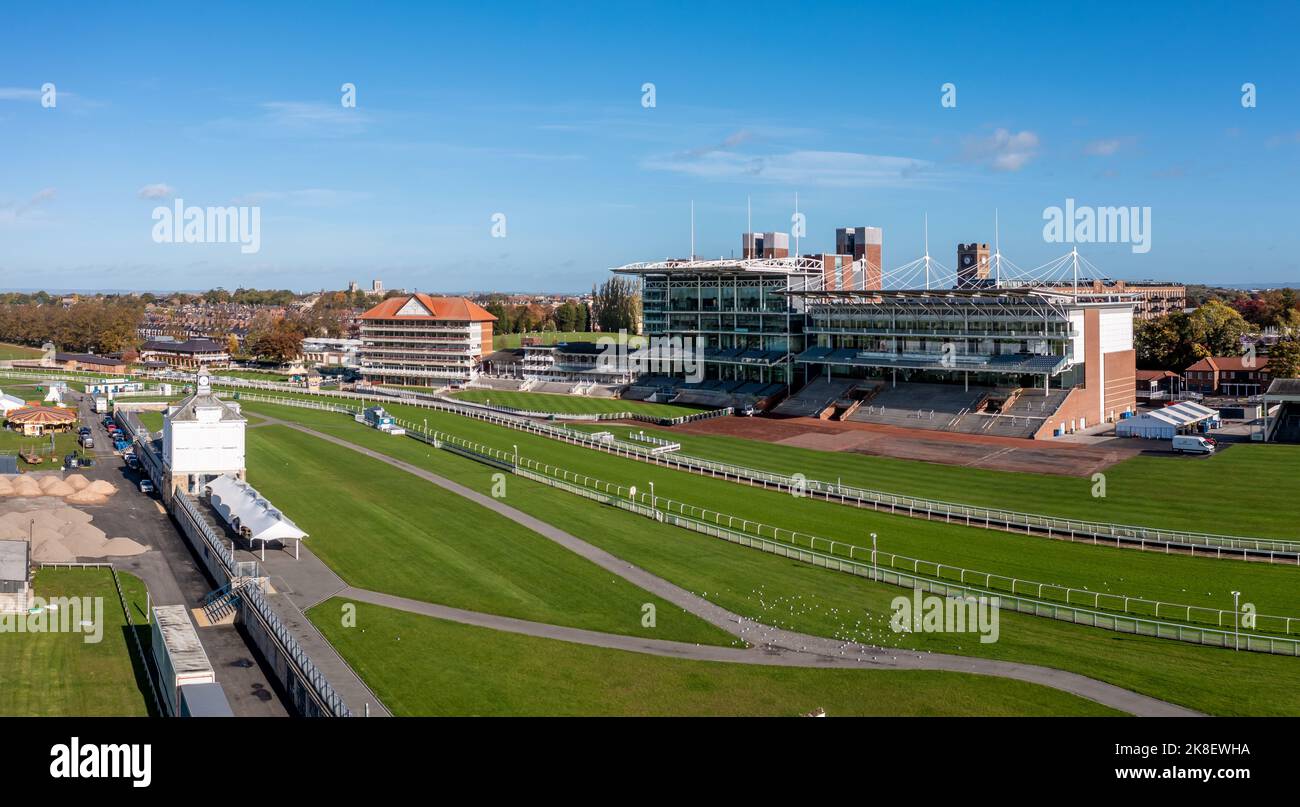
(424, 666)
(383, 529)
(789, 594)
(1238, 491)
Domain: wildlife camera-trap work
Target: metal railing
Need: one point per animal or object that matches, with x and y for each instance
(1119, 535)
(991, 582)
(618, 495)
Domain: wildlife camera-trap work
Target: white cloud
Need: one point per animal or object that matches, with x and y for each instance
(17, 213)
(1107, 147)
(158, 190)
(1003, 150)
(308, 197)
(825, 168)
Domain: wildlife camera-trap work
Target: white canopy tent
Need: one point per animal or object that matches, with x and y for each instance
(251, 515)
(1164, 424)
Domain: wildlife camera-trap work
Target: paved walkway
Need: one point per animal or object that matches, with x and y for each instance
(769, 645)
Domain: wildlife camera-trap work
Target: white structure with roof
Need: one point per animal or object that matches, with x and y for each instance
(252, 515)
(8, 402)
(1164, 424)
(203, 438)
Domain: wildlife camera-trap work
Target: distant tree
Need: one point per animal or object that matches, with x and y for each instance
(1284, 359)
(1217, 328)
(616, 305)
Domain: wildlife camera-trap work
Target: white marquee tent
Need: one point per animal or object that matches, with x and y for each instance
(1163, 424)
(251, 515)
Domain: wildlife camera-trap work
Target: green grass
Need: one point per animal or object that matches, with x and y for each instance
(1236, 491)
(12, 442)
(572, 404)
(384, 529)
(503, 341)
(58, 674)
(796, 596)
(1175, 578)
(442, 668)
(9, 352)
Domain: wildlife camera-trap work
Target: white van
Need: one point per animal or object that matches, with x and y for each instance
(1195, 444)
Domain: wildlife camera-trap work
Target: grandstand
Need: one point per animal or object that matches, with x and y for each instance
(815, 398)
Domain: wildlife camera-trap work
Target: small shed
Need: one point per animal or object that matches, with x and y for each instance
(15, 575)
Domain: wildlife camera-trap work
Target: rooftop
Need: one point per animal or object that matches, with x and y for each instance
(188, 346)
(421, 306)
(13, 560)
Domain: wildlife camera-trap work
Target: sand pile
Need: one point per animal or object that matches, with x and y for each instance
(27, 486)
(76, 488)
(63, 534)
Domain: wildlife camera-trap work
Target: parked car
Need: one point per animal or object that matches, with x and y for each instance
(146, 486)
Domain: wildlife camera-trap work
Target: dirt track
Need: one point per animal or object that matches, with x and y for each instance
(973, 450)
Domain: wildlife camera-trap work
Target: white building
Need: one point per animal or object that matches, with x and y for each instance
(203, 437)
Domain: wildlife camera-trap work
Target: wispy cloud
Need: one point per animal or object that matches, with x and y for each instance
(808, 168)
(1108, 147)
(308, 197)
(158, 190)
(18, 213)
(1003, 150)
(299, 119)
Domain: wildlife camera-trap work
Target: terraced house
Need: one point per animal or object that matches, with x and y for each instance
(419, 340)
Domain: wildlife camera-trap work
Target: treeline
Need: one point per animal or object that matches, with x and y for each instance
(243, 296)
(102, 325)
(1178, 340)
(568, 316)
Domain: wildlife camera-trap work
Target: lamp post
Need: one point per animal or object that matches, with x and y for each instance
(652, 497)
(875, 573)
(1236, 620)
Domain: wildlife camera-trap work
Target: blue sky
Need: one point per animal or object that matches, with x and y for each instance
(535, 112)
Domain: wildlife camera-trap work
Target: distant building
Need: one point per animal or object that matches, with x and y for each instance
(188, 355)
(765, 245)
(1153, 299)
(90, 362)
(973, 265)
(1228, 375)
(376, 286)
(419, 340)
(860, 243)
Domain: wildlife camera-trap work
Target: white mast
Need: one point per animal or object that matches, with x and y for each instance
(1074, 261)
(997, 252)
(796, 224)
(692, 229)
(927, 251)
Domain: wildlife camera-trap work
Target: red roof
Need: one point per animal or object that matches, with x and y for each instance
(1152, 375)
(448, 308)
(1229, 363)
